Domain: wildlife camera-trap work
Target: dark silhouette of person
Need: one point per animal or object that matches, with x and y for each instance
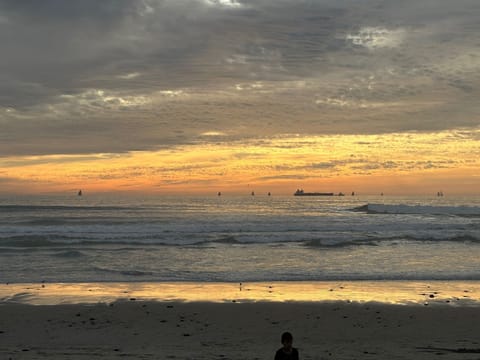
(287, 352)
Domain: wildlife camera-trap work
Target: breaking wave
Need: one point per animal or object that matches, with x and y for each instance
(325, 243)
(62, 241)
(468, 211)
(123, 272)
(70, 254)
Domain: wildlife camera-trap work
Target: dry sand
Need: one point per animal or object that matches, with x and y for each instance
(193, 330)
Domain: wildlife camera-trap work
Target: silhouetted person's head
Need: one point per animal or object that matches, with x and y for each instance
(287, 340)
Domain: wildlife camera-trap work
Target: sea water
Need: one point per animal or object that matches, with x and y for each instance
(99, 238)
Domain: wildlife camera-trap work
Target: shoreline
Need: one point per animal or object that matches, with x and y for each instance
(400, 292)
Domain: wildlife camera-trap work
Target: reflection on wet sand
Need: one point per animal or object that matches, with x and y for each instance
(457, 293)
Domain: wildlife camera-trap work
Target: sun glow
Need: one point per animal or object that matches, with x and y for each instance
(393, 163)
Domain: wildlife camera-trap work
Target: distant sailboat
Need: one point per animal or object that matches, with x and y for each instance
(253, 193)
(269, 194)
(219, 193)
(80, 193)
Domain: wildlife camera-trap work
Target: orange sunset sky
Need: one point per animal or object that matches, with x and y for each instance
(200, 96)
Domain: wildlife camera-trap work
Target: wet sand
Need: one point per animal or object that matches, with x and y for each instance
(459, 293)
(135, 328)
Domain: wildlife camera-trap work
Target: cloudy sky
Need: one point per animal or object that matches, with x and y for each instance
(204, 95)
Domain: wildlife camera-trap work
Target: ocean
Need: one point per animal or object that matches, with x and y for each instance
(100, 238)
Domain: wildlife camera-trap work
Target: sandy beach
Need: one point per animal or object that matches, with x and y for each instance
(153, 330)
(133, 328)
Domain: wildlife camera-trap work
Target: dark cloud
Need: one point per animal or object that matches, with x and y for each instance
(119, 75)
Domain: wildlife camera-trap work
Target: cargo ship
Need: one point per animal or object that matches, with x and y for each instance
(300, 192)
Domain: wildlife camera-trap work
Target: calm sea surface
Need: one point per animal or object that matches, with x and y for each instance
(235, 238)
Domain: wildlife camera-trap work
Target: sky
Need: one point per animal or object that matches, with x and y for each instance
(200, 96)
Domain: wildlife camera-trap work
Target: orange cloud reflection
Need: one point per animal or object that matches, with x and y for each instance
(456, 293)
